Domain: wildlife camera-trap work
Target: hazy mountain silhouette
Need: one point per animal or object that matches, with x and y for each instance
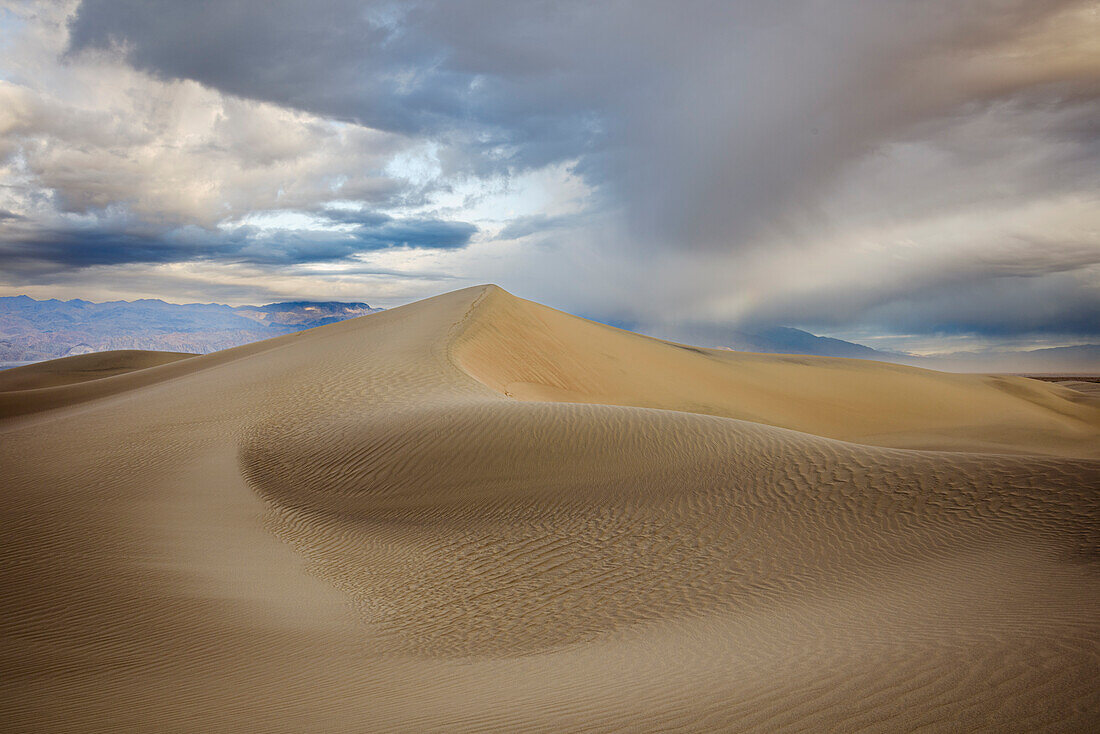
(33, 330)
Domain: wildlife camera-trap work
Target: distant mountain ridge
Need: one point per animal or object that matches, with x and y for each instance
(774, 340)
(32, 330)
(1081, 359)
(786, 340)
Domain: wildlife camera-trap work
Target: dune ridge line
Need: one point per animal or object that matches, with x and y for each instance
(477, 513)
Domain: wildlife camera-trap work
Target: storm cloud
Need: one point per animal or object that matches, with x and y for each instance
(889, 166)
(42, 250)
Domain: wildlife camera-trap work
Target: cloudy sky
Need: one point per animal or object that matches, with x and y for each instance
(919, 175)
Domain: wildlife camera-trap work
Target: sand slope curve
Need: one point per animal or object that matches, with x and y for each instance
(474, 513)
(83, 367)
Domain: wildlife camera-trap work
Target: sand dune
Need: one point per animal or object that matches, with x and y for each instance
(1091, 389)
(532, 352)
(83, 367)
(477, 513)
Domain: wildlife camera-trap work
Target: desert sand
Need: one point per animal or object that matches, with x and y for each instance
(475, 513)
(83, 367)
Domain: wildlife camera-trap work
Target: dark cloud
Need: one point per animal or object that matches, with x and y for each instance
(57, 249)
(376, 231)
(52, 249)
(1055, 294)
(1059, 307)
(711, 120)
(1061, 304)
(417, 234)
(413, 69)
(540, 224)
(892, 164)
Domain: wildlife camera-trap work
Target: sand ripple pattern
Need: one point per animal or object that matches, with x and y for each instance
(474, 513)
(505, 528)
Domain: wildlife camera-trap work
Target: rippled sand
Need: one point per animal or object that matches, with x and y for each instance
(477, 513)
(82, 368)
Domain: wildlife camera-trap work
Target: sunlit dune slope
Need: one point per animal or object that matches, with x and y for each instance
(474, 513)
(83, 367)
(532, 352)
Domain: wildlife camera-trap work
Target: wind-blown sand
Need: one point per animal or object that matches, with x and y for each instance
(477, 513)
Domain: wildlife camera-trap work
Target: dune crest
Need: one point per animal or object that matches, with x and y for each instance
(531, 352)
(477, 513)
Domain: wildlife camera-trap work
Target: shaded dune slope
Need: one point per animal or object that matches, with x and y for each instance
(83, 367)
(67, 387)
(493, 531)
(504, 517)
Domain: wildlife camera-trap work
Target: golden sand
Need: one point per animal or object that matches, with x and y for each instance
(477, 513)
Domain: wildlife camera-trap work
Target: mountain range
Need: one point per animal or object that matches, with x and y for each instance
(32, 330)
(779, 340)
(1081, 359)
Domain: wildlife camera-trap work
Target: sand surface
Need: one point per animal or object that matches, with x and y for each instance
(475, 513)
(83, 367)
(1088, 388)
